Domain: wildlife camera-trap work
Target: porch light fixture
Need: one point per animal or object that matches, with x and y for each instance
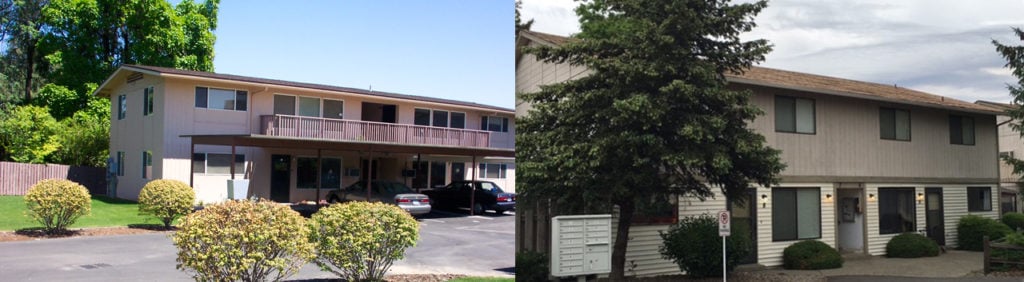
(764, 200)
(828, 198)
(871, 197)
(920, 197)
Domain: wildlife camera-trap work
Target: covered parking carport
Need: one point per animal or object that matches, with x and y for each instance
(321, 145)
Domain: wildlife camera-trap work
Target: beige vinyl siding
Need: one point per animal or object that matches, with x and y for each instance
(770, 253)
(954, 201)
(137, 133)
(531, 74)
(847, 142)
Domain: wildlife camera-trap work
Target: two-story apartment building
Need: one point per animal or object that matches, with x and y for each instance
(865, 162)
(286, 141)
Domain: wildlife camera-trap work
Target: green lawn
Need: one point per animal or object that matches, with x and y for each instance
(105, 212)
(481, 279)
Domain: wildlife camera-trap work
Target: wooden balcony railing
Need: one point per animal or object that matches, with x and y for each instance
(340, 129)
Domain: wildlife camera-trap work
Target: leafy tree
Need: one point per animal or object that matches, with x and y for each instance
(61, 101)
(653, 119)
(84, 138)
(27, 134)
(89, 39)
(520, 25)
(21, 25)
(1014, 56)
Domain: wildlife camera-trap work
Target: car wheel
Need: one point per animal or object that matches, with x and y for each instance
(478, 209)
(334, 200)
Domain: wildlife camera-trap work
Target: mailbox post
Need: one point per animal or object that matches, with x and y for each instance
(581, 245)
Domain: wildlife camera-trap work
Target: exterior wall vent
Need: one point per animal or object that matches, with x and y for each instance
(134, 76)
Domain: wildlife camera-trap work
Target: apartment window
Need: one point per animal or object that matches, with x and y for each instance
(120, 163)
(662, 209)
(147, 101)
(896, 210)
(1006, 154)
(440, 118)
(496, 124)
(961, 130)
(334, 109)
(422, 117)
(284, 105)
(330, 173)
(458, 120)
(217, 163)
(309, 107)
(794, 115)
(979, 199)
(224, 99)
(147, 164)
(796, 213)
(894, 124)
(492, 170)
(122, 106)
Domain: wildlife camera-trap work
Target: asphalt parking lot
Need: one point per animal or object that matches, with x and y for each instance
(450, 242)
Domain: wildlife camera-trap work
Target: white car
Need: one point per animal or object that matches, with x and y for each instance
(391, 192)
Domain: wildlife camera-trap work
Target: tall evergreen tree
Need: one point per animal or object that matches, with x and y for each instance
(654, 118)
(1014, 56)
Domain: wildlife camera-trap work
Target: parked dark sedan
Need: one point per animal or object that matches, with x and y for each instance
(488, 196)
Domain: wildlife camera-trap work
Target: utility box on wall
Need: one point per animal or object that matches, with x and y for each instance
(581, 244)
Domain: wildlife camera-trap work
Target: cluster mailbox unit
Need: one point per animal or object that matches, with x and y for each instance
(581, 245)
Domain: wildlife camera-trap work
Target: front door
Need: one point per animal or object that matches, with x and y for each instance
(368, 172)
(280, 178)
(458, 171)
(934, 215)
(744, 215)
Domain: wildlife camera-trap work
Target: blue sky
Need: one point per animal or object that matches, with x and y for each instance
(460, 50)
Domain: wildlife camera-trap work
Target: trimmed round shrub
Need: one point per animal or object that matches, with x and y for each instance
(358, 241)
(243, 240)
(57, 203)
(531, 266)
(811, 254)
(911, 245)
(1014, 220)
(972, 229)
(166, 199)
(693, 244)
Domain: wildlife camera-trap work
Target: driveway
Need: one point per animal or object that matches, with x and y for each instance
(449, 243)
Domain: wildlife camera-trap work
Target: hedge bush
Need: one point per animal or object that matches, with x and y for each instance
(811, 254)
(166, 199)
(911, 245)
(57, 203)
(693, 244)
(531, 266)
(973, 228)
(358, 241)
(243, 240)
(1014, 220)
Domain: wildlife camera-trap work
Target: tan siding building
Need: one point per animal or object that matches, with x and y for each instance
(278, 131)
(872, 160)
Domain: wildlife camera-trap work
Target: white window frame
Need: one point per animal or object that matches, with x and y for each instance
(147, 164)
(122, 106)
(487, 126)
(448, 122)
(323, 104)
(120, 163)
(502, 170)
(296, 106)
(148, 100)
(206, 163)
(248, 97)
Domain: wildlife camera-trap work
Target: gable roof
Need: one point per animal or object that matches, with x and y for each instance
(172, 72)
(996, 105)
(813, 83)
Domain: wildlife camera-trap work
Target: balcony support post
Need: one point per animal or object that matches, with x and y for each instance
(472, 189)
(369, 174)
(319, 168)
(192, 164)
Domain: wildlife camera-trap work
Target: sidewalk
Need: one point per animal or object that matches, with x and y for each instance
(953, 265)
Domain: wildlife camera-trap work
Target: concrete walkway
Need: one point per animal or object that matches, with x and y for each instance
(952, 264)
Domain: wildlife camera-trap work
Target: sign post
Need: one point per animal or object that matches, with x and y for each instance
(724, 229)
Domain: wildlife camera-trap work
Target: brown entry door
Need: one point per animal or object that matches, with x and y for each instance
(745, 215)
(935, 218)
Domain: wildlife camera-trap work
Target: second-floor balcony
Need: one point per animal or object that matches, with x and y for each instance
(356, 130)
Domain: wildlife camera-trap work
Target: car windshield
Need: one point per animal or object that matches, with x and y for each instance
(491, 187)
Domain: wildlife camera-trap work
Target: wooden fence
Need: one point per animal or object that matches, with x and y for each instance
(1002, 257)
(16, 178)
